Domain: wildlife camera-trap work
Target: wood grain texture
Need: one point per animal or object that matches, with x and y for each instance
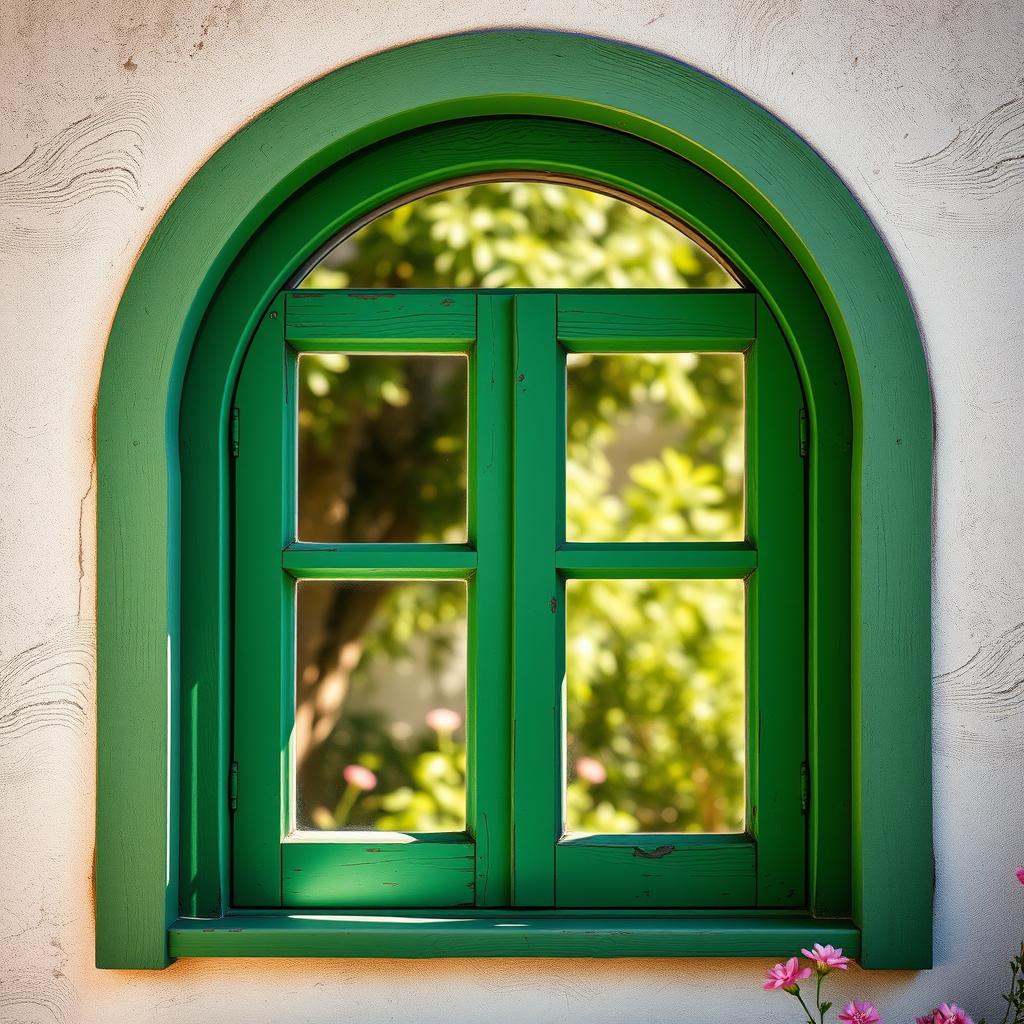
(713, 560)
(538, 614)
(777, 611)
(685, 113)
(432, 934)
(657, 871)
(381, 321)
(489, 704)
(712, 322)
(378, 874)
(264, 612)
(379, 561)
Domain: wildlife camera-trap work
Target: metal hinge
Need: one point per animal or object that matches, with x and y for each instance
(234, 432)
(233, 786)
(805, 787)
(803, 432)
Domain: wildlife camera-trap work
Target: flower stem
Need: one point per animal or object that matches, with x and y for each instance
(1013, 985)
(810, 1018)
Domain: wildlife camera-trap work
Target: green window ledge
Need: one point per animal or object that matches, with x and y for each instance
(424, 934)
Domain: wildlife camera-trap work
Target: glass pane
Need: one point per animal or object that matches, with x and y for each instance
(654, 450)
(380, 706)
(518, 234)
(656, 695)
(382, 448)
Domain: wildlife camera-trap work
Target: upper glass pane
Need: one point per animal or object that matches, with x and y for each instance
(382, 448)
(518, 234)
(654, 447)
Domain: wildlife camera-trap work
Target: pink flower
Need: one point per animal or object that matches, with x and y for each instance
(359, 777)
(589, 769)
(786, 976)
(928, 1018)
(950, 1013)
(443, 720)
(826, 958)
(860, 1013)
(1020, 875)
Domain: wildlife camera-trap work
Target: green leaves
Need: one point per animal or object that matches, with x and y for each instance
(655, 684)
(518, 235)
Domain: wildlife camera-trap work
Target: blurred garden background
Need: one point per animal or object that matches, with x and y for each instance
(655, 683)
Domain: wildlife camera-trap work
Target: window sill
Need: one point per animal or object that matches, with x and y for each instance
(426, 934)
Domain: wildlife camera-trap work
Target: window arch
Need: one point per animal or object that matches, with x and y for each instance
(774, 211)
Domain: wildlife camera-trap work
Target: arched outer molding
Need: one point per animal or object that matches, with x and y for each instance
(588, 80)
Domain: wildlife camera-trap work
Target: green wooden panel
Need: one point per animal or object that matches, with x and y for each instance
(363, 320)
(221, 241)
(539, 613)
(776, 610)
(657, 871)
(489, 741)
(264, 523)
(440, 934)
(377, 873)
(711, 560)
(691, 321)
(379, 561)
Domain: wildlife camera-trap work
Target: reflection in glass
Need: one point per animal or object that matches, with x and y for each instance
(382, 448)
(654, 450)
(655, 702)
(518, 234)
(380, 706)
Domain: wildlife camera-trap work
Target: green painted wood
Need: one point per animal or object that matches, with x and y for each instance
(657, 871)
(776, 610)
(539, 613)
(698, 321)
(269, 868)
(425, 935)
(379, 561)
(519, 142)
(664, 561)
(222, 241)
(322, 872)
(264, 613)
(489, 739)
(363, 320)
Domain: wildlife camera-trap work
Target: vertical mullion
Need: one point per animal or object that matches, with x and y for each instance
(490, 609)
(776, 616)
(264, 513)
(539, 632)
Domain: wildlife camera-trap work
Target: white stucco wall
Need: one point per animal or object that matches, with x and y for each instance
(106, 109)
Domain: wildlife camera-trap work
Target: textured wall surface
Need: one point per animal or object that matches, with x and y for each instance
(107, 108)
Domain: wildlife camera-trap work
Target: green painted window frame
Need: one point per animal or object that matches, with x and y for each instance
(590, 111)
(516, 564)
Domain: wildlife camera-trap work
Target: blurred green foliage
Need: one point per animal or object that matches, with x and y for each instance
(655, 675)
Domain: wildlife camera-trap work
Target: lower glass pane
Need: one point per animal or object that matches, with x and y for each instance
(656, 706)
(380, 706)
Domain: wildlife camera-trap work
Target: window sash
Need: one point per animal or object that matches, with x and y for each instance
(516, 564)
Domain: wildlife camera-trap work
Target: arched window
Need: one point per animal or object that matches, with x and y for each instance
(519, 461)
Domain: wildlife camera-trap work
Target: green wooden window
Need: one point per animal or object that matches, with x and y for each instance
(516, 565)
(365, 138)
